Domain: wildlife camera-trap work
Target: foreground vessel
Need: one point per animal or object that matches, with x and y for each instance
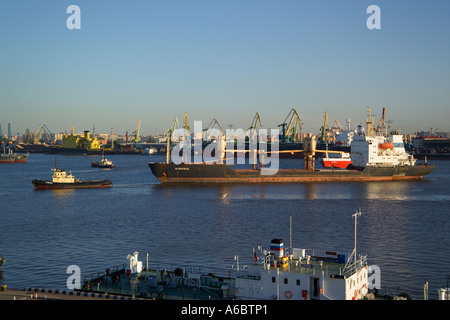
(61, 180)
(276, 274)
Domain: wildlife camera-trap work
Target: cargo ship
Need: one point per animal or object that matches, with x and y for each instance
(62, 180)
(374, 158)
(12, 157)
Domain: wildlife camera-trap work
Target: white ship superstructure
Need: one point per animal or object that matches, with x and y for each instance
(377, 150)
(380, 151)
(60, 176)
(302, 276)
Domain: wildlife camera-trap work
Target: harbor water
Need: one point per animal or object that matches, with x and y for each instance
(404, 229)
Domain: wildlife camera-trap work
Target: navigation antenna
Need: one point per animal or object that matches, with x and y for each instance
(353, 255)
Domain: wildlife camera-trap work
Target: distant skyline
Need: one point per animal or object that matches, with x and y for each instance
(156, 59)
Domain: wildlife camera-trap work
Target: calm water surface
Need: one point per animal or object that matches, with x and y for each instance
(404, 228)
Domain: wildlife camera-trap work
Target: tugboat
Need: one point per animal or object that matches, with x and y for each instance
(61, 180)
(104, 163)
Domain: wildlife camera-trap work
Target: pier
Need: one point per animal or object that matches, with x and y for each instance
(48, 294)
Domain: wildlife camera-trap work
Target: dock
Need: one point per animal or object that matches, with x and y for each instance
(49, 294)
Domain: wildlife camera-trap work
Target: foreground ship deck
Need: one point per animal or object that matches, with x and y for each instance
(273, 276)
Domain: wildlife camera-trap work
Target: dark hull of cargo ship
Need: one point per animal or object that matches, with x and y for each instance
(222, 173)
(40, 184)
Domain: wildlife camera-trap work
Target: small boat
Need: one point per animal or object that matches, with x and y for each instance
(62, 180)
(336, 160)
(150, 151)
(104, 163)
(386, 145)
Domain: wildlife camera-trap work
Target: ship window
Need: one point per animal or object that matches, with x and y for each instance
(273, 279)
(285, 281)
(298, 282)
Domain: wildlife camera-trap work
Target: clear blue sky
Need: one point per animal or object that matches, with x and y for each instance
(223, 59)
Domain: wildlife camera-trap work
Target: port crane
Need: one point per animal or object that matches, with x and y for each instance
(137, 138)
(210, 129)
(186, 125)
(336, 127)
(174, 126)
(324, 130)
(253, 126)
(381, 126)
(293, 128)
(43, 132)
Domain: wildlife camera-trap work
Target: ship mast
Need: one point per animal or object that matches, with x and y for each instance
(369, 123)
(353, 254)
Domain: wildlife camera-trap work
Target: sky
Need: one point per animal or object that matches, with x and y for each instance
(222, 59)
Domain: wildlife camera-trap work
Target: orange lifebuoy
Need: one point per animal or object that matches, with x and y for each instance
(288, 294)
